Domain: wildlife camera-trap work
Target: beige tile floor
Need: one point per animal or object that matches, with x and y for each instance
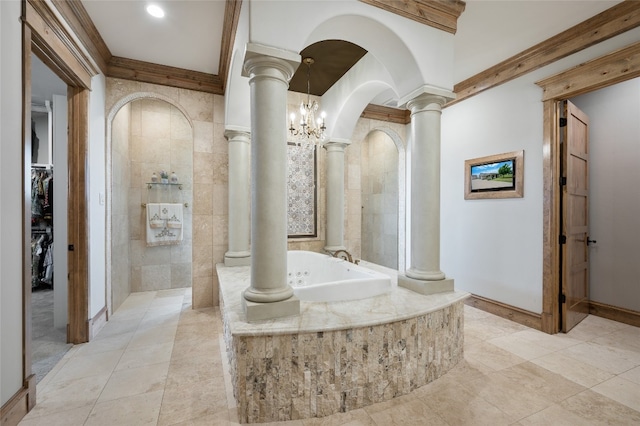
(159, 362)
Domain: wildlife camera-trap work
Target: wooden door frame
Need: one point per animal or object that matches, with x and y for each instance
(615, 67)
(45, 36)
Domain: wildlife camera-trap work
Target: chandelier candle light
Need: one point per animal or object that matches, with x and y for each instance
(311, 131)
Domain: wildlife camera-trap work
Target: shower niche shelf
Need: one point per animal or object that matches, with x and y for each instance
(163, 186)
(160, 184)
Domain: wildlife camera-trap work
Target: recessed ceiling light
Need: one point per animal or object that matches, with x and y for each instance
(155, 11)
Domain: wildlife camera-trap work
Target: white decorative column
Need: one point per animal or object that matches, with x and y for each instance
(269, 71)
(239, 192)
(335, 194)
(424, 274)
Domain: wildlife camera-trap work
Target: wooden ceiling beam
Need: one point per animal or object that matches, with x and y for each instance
(130, 69)
(610, 23)
(230, 27)
(616, 67)
(440, 14)
(388, 114)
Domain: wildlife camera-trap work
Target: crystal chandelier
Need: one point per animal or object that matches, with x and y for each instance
(311, 132)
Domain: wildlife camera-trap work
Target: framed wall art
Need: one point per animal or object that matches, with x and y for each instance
(495, 176)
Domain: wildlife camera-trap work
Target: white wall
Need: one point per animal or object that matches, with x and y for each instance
(614, 198)
(41, 126)
(60, 208)
(11, 199)
(97, 191)
(493, 248)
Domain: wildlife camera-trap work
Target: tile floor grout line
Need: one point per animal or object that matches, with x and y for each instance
(484, 371)
(173, 347)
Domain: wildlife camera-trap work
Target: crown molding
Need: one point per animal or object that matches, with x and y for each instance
(130, 69)
(440, 14)
(603, 26)
(112, 66)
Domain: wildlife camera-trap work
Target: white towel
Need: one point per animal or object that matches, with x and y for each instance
(164, 224)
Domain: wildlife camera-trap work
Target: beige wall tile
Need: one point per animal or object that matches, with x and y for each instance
(203, 135)
(202, 261)
(205, 196)
(198, 105)
(181, 275)
(202, 291)
(203, 226)
(203, 164)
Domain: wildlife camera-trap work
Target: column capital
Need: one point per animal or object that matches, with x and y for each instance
(426, 89)
(426, 102)
(237, 135)
(336, 145)
(262, 61)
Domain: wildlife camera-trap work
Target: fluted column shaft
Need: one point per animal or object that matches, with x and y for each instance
(335, 195)
(269, 71)
(426, 111)
(239, 192)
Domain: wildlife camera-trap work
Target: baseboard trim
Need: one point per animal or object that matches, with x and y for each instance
(20, 404)
(503, 310)
(96, 323)
(533, 320)
(626, 316)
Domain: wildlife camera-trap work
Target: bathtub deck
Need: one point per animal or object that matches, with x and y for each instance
(400, 304)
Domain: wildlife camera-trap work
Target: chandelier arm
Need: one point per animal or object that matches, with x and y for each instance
(309, 132)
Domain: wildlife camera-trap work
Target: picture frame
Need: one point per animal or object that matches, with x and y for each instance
(494, 176)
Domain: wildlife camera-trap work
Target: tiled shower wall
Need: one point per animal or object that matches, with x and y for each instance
(161, 139)
(356, 160)
(379, 171)
(208, 179)
(121, 182)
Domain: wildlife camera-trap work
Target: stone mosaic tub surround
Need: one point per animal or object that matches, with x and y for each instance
(337, 356)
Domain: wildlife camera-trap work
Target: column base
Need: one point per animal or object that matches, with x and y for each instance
(255, 311)
(425, 287)
(419, 274)
(237, 258)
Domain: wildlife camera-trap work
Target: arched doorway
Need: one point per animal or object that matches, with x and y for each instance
(146, 133)
(383, 199)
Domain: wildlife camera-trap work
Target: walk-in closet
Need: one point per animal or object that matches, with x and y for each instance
(49, 297)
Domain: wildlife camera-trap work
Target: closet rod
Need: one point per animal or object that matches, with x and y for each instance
(42, 166)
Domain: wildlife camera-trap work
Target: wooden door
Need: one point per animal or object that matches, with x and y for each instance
(575, 217)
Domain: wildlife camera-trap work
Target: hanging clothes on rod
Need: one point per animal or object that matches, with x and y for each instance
(41, 259)
(41, 194)
(41, 226)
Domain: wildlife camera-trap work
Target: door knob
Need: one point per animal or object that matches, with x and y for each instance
(591, 241)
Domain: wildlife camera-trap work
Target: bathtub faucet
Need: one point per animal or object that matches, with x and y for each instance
(343, 254)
